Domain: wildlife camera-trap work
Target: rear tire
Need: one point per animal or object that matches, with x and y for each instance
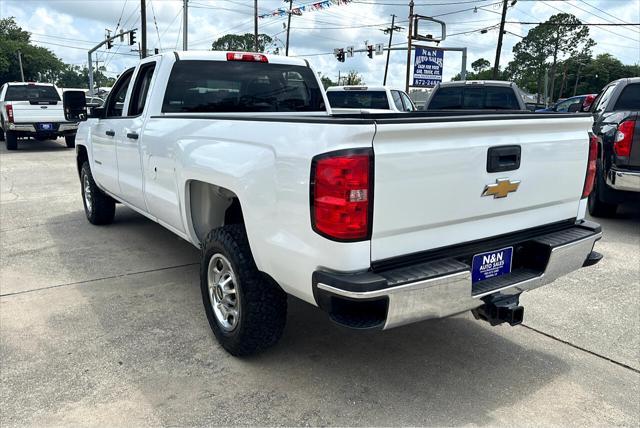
(98, 207)
(597, 207)
(70, 140)
(245, 308)
(11, 140)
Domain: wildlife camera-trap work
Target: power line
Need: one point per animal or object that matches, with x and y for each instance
(155, 23)
(605, 12)
(601, 17)
(77, 47)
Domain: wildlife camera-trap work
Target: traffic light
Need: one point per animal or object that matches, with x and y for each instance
(370, 51)
(340, 55)
(132, 37)
(109, 43)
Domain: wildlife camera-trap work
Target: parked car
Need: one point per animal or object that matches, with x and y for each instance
(616, 130)
(579, 103)
(33, 110)
(476, 95)
(94, 101)
(354, 99)
(379, 219)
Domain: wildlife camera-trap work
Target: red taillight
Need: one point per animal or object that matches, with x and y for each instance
(9, 109)
(250, 57)
(588, 100)
(591, 166)
(623, 138)
(341, 195)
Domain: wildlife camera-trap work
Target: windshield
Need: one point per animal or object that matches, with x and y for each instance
(358, 99)
(31, 93)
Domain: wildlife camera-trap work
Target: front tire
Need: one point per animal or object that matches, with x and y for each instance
(246, 310)
(70, 140)
(98, 207)
(11, 140)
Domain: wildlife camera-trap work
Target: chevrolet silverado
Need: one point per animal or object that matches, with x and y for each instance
(379, 219)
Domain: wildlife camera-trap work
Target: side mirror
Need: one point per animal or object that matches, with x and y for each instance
(573, 108)
(75, 106)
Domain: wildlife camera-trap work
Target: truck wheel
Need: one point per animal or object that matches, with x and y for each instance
(98, 207)
(70, 140)
(246, 309)
(597, 207)
(11, 140)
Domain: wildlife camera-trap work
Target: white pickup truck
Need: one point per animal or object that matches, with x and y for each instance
(29, 109)
(380, 220)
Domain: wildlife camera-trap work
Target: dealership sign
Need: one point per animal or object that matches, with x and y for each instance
(427, 67)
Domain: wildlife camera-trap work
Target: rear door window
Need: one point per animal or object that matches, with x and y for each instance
(225, 87)
(31, 93)
(629, 98)
(141, 89)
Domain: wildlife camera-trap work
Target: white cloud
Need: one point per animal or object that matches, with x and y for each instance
(78, 24)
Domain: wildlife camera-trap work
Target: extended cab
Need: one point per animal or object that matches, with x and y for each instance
(372, 99)
(380, 220)
(33, 110)
(616, 131)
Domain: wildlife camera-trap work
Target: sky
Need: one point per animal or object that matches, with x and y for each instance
(70, 28)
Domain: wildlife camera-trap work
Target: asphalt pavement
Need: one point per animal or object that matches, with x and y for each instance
(104, 326)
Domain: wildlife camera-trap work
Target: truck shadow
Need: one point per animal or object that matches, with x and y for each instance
(34, 146)
(447, 372)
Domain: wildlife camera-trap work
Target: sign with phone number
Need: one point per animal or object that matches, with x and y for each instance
(427, 67)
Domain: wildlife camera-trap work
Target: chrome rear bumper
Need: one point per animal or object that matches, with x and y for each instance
(447, 290)
(628, 181)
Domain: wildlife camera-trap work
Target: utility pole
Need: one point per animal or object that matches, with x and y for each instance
(496, 64)
(409, 46)
(286, 49)
(185, 28)
(575, 87)
(20, 62)
(143, 28)
(255, 25)
(386, 67)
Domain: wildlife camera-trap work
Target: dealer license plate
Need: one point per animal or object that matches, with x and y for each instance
(491, 264)
(45, 126)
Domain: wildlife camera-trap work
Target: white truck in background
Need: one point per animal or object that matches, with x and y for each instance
(368, 99)
(380, 220)
(33, 110)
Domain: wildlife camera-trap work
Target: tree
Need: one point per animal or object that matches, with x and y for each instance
(480, 64)
(241, 42)
(74, 76)
(326, 81)
(39, 64)
(562, 35)
(353, 78)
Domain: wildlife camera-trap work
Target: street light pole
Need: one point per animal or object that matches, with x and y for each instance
(286, 48)
(386, 67)
(255, 25)
(185, 27)
(20, 62)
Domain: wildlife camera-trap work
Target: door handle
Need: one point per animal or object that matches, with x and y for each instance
(110, 133)
(503, 158)
(132, 135)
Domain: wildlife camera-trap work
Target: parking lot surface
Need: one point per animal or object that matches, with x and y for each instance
(105, 326)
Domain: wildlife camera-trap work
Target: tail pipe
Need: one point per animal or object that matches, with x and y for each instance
(499, 309)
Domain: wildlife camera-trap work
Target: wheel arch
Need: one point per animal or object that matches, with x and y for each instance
(82, 156)
(210, 206)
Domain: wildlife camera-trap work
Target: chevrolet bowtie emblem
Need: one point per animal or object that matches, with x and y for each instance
(501, 189)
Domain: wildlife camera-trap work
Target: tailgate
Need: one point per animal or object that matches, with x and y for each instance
(430, 177)
(25, 112)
